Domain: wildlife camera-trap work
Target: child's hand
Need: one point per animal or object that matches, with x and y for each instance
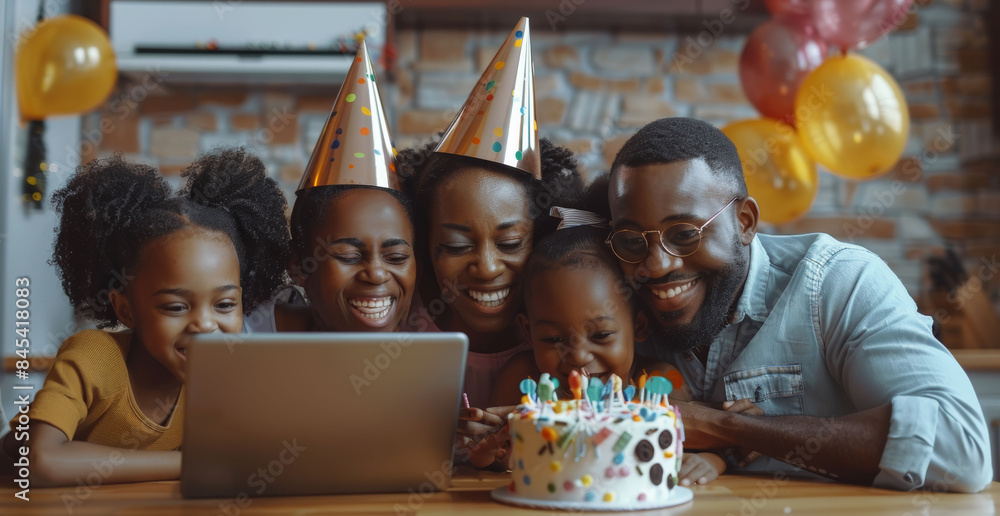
(491, 450)
(700, 468)
(483, 435)
(473, 422)
(747, 407)
(472, 435)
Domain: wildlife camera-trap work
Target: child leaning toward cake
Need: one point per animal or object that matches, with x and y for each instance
(580, 315)
(164, 267)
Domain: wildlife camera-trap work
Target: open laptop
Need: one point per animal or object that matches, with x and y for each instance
(317, 413)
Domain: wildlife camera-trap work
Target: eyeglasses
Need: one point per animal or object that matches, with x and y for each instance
(680, 240)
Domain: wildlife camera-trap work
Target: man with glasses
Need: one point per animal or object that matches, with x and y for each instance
(819, 334)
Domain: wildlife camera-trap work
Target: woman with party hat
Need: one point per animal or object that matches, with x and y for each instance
(478, 193)
(352, 228)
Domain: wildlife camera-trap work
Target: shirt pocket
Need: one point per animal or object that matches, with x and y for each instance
(777, 390)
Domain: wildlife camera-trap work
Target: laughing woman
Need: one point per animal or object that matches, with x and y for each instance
(360, 239)
(352, 229)
(478, 193)
(477, 221)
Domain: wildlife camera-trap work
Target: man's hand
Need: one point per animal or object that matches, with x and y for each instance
(744, 406)
(785, 438)
(702, 425)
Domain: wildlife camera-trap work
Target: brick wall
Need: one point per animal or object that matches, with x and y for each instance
(594, 89)
(168, 125)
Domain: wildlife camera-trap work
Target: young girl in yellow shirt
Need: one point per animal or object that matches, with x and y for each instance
(160, 268)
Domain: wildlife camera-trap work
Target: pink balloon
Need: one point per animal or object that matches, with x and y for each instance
(777, 56)
(851, 24)
(787, 6)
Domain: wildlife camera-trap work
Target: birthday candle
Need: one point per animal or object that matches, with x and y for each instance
(594, 390)
(617, 390)
(574, 385)
(629, 393)
(658, 387)
(642, 386)
(528, 387)
(606, 394)
(546, 388)
(679, 424)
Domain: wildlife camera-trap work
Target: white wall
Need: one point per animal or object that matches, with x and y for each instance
(26, 235)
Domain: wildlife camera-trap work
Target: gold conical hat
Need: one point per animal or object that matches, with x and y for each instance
(355, 147)
(497, 122)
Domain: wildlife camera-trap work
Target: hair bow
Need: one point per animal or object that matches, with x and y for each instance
(572, 218)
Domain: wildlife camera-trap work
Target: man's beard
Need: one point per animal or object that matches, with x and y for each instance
(711, 318)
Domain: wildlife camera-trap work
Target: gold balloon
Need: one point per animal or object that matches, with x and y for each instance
(779, 173)
(64, 66)
(852, 117)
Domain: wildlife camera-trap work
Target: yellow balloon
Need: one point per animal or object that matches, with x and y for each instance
(63, 66)
(779, 173)
(852, 117)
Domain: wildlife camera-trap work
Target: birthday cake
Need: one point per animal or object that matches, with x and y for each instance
(607, 448)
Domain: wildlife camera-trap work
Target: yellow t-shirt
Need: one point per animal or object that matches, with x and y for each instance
(87, 395)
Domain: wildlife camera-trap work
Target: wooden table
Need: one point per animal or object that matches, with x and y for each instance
(735, 495)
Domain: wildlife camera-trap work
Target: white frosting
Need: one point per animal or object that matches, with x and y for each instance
(567, 451)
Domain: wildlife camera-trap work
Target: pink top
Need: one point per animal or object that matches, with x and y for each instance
(481, 369)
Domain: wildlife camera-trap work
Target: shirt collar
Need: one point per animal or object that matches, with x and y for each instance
(752, 302)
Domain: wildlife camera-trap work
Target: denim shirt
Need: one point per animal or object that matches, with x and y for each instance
(826, 329)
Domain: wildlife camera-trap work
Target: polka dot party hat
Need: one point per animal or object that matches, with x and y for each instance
(497, 122)
(355, 146)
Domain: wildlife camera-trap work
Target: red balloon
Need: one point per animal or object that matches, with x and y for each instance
(850, 24)
(787, 6)
(777, 56)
